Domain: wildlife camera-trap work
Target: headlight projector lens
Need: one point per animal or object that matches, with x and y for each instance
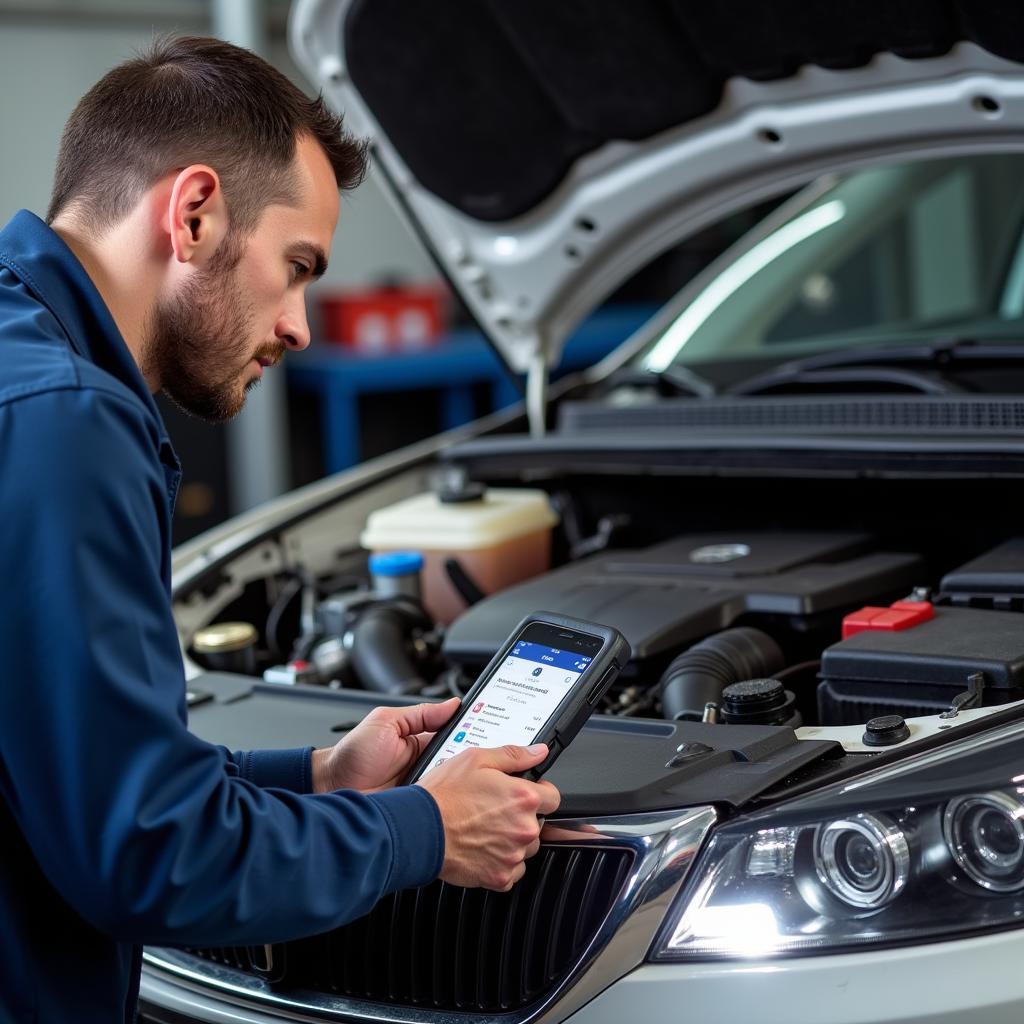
(985, 835)
(862, 860)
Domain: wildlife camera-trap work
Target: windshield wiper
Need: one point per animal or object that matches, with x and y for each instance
(916, 367)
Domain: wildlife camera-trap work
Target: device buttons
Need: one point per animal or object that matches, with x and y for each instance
(555, 747)
(600, 686)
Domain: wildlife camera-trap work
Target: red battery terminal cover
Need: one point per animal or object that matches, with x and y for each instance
(899, 615)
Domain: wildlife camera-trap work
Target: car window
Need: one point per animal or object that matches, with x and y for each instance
(891, 252)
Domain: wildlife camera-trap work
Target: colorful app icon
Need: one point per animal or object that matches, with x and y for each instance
(477, 708)
(537, 671)
(459, 737)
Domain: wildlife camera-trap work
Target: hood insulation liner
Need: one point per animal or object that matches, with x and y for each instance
(490, 102)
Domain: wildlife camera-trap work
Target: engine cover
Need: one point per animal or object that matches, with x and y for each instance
(667, 596)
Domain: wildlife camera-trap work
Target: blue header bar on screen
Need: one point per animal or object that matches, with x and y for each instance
(544, 655)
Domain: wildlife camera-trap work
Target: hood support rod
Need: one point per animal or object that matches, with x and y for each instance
(537, 394)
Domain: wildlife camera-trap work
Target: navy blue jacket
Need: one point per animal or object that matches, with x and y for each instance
(118, 826)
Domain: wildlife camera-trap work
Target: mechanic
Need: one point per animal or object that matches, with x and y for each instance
(195, 197)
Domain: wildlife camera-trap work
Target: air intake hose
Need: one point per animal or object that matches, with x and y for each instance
(700, 674)
(379, 640)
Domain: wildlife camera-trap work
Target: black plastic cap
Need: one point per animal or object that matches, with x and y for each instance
(750, 691)
(757, 702)
(885, 730)
(461, 492)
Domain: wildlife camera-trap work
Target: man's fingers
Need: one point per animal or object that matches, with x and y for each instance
(478, 798)
(424, 717)
(549, 800)
(511, 759)
(422, 741)
(517, 872)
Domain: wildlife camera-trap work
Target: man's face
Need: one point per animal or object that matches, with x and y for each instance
(211, 342)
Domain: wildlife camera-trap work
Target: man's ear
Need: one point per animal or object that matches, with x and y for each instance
(197, 216)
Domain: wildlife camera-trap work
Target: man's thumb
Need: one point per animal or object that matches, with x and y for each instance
(511, 758)
(435, 715)
(422, 717)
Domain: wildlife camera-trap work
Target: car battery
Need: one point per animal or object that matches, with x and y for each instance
(914, 667)
(992, 580)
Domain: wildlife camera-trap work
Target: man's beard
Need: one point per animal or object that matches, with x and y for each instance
(199, 345)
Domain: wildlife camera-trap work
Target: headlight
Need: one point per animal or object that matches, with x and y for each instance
(863, 860)
(985, 834)
(927, 849)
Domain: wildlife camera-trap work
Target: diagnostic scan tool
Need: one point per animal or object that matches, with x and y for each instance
(540, 687)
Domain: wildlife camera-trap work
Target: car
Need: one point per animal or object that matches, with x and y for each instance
(795, 491)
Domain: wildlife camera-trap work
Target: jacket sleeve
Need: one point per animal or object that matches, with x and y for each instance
(278, 769)
(151, 834)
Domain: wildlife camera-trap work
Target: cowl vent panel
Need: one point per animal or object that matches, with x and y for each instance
(877, 415)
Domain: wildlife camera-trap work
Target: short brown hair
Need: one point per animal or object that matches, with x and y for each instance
(192, 100)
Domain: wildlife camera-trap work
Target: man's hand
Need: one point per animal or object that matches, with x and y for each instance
(491, 823)
(381, 749)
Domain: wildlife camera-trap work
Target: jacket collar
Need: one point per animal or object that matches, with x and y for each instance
(38, 256)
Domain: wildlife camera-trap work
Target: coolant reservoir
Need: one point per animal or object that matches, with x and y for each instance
(498, 536)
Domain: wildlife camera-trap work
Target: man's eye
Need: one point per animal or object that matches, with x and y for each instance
(299, 270)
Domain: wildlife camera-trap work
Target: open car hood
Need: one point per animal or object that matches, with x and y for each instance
(546, 151)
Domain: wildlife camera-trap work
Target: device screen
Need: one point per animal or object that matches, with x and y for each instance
(523, 693)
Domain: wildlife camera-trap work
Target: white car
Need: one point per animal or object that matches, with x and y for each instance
(796, 492)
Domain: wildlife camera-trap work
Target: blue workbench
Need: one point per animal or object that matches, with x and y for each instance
(338, 376)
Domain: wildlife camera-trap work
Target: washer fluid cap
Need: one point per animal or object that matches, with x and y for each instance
(396, 563)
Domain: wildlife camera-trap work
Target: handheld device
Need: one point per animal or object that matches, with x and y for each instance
(540, 687)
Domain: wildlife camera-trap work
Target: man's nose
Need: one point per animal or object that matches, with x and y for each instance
(293, 327)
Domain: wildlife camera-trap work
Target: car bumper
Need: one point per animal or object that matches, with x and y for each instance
(978, 979)
(981, 980)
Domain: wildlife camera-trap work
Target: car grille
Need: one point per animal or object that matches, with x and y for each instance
(449, 948)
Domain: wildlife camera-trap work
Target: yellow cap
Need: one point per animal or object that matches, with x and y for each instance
(224, 636)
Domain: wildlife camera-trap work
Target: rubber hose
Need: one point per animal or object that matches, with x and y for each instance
(466, 586)
(378, 652)
(702, 672)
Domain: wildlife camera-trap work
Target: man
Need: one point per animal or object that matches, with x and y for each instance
(195, 197)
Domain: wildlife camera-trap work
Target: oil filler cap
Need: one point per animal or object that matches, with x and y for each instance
(885, 730)
(756, 702)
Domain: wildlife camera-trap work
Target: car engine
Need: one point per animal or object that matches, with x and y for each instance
(745, 627)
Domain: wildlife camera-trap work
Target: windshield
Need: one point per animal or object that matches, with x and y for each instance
(911, 251)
